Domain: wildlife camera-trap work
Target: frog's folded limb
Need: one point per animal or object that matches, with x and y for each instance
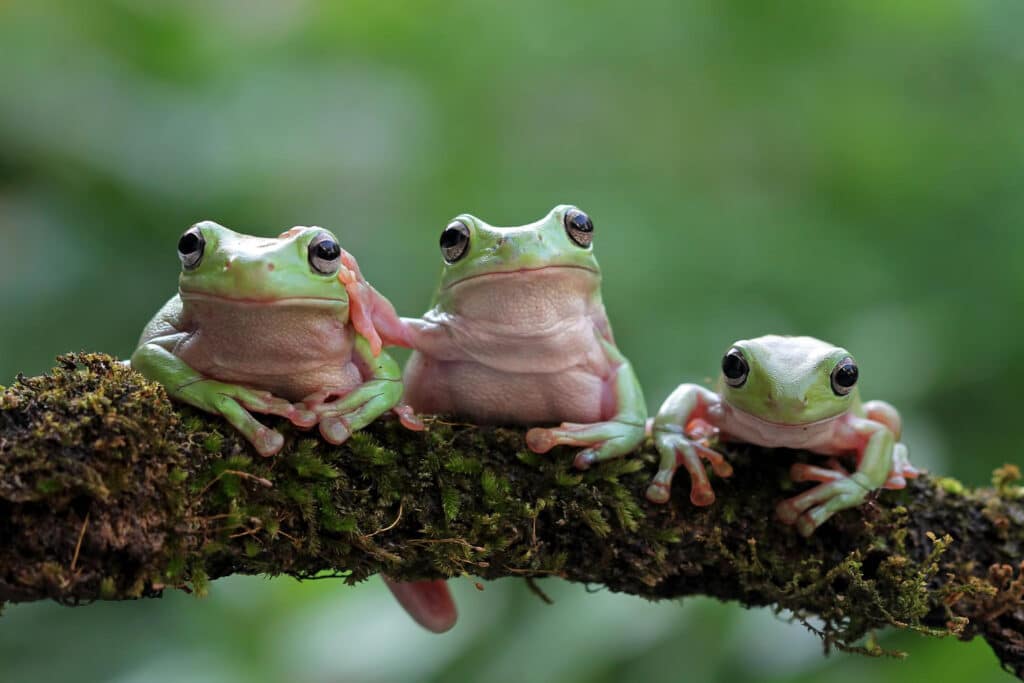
(341, 416)
(814, 507)
(233, 402)
(614, 438)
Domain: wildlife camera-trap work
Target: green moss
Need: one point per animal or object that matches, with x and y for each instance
(94, 446)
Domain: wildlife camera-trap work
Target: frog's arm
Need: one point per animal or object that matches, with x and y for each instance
(687, 404)
(155, 359)
(614, 438)
(838, 492)
(431, 335)
(372, 315)
(341, 417)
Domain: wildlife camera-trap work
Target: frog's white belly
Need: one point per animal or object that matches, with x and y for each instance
(487, 395)
(292, 352)
(824, 436)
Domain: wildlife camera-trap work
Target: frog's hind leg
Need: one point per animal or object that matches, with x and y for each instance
(602, 441)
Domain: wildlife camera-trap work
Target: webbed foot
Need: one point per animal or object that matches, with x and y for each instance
(602, 440)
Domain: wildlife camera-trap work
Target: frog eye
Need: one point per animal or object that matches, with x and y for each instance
(455, 241)
(735, 368)
(190, 248)
(844, 377)
(324, 254)
(580, 227)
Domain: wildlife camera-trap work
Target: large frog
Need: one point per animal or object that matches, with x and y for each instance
(281, 326)
(518, 335)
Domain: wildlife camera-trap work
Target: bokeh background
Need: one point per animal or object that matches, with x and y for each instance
(850, 170)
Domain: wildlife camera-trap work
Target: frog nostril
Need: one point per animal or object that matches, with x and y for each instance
(270, 266)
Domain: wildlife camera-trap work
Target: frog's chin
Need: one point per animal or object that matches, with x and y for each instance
(524, 273)
(306, 301)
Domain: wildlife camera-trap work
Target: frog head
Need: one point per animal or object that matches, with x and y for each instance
(477, 255)
(788, 380)
(298, 268)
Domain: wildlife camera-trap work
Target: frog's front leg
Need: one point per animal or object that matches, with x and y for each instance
(342, 416)
(231, 401)
(614, 438)
(689, 405)
(902, 469)
(811, 509)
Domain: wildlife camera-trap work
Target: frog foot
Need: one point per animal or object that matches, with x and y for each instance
(902, 469)
(680, 451)
(342, 414)
(234, 403)
(408, 417)
(814, 507)
(603, 440)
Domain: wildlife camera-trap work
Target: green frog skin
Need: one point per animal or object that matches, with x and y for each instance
(280, 326)
(785, 392)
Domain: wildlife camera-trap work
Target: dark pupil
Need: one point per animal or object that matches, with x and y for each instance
(733, 366)
(451, 238)
(328, 250)
(581, 222)
(189, 243)
(846, 376)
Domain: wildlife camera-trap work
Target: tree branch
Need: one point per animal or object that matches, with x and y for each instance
(107, 491)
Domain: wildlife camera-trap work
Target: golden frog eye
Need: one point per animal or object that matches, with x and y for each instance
(844, 377)
(735, 368)
(580, 227)
(191, 247)
(455, 241)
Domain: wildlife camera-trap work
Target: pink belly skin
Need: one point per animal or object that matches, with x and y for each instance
(485, 395)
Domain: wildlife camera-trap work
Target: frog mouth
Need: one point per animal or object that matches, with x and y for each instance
(752, 419)
(512, 272)
(192, 295)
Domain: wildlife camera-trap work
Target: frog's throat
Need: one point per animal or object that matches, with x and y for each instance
(327, 302)
(521, 272)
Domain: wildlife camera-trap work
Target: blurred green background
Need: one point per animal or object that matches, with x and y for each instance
(850, 170)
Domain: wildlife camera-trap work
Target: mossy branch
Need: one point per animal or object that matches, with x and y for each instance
(107, 491)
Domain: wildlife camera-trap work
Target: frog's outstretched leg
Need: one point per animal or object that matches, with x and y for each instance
(682, 416)
(341, 417)
(429, 603)
(811, 509)
(231, 401)
(615, 438)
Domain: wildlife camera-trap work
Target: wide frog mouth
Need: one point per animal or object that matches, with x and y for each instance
(521, 272)
(261, 301)
(750, 419)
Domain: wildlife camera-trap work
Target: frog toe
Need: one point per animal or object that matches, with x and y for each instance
(267, 442)
(335, 430)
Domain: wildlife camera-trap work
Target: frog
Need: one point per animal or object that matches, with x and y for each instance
(284, 326)
(517, 335)
(793, 392)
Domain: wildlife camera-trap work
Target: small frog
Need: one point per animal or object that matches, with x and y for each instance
(518, 335)
(284, 326)
(785, 392)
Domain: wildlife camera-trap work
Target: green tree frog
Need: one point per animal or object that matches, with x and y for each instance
(518, 335)
(285, 326)
(785, 392)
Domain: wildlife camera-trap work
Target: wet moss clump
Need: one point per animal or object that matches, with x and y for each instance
(107, 491)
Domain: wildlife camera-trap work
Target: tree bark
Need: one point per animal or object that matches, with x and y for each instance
(107, 491)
